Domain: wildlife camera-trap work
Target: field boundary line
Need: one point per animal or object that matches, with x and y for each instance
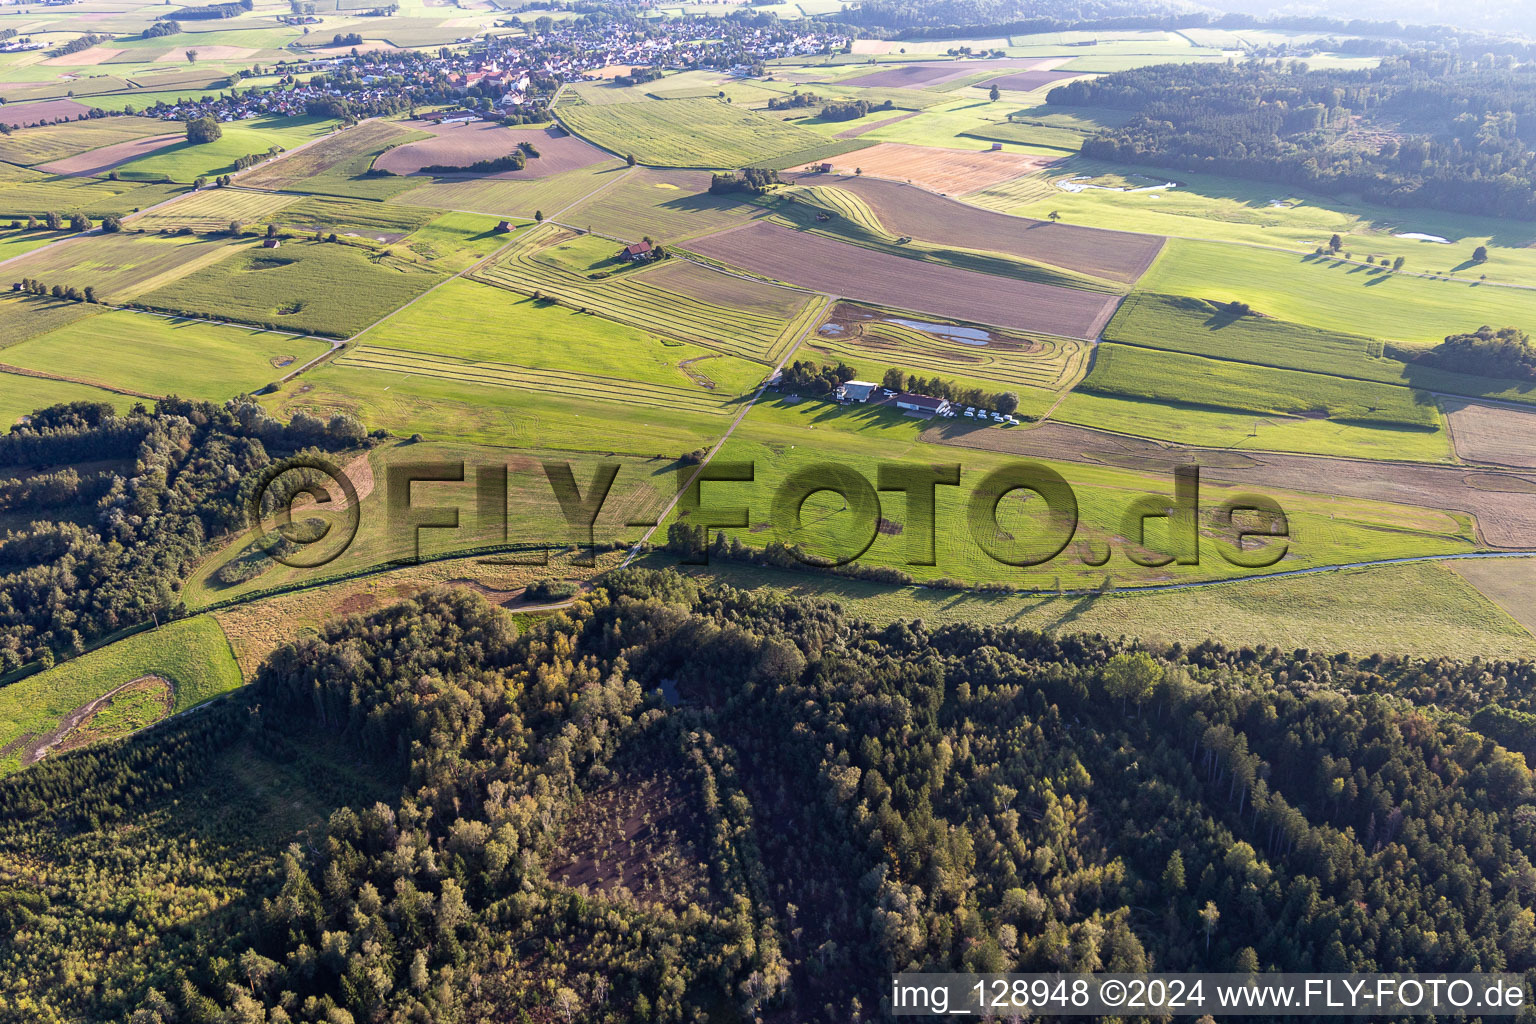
(22, 371)
(661, 517)
(513, 238)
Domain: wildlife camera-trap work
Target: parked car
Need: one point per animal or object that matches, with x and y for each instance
(971, 413)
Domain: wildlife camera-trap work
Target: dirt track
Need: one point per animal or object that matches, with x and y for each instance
(1506, 518)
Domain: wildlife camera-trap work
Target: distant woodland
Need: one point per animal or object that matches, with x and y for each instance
(425, 814)
(1421, 130)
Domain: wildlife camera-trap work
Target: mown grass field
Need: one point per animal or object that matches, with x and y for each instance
(21, 396)
(1159, 376)
(186, 161)
(670, 206)
(513, 197)
(698, 133)
(24, 192)
(122, 266)
(191, 653)
(213, 210)
(23, 317)
(318, 287)
(780, 438)
(538, 263)
(45, 143)
(1194, 326)
(339, 165)
(472, 321)
(444, 409)
(1422, 610)
(453, 241)
(160, 356)
(1216, 428)
(1335, 295)
(329, 214)
(1219, 209)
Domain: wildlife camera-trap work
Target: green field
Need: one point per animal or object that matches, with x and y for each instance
(318, 287)
(24, 192)
(1423, 610)
(453, 241)
(20, 396)
(191, 653)
(1331, 294)
(511, 197)
(533, 513)
(213, 209)
(781, 437)
(670, 206)
(494, 414)
(466, 320)
(161, 356)
(1221, 209)
(1128, 372)
(351, 216)
(559, 264)
(698, 133)
(339, 164)
(119, 266)
(186, 161)
(23, 317)
(1194, 326)
(1216, 428)
(45, 143)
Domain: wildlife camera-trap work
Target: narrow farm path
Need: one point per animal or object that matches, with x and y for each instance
(661, 517)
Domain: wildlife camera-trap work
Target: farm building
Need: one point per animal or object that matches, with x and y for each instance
(270, 243)
(636, 252)
(856, 391)
(923, 404)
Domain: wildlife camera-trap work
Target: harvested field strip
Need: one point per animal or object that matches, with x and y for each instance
(337, 164)
(527, 378)
(28, 146)
(821, 264)
(1052, 364)
(852, 218)
(1119, 256)
(213, 210)
(97, 161)
(628, 299)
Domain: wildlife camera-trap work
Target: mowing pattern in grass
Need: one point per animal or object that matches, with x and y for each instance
(1336, 294)
(160, 356)
(506, 197)
(698, 133)
(23, 317)
(31, 192)
(1038, 362)
(191, 653)
(670, 206)
(628, 299)
(119, 266)
(339, 164)
(305, 286)
(45, 143)
(213, 210)
(1213, 383)
(1197, 327)
(528, 378)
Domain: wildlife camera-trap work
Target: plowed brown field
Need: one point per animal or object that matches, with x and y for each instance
(905, 210)
(839, 268)
(460, 145)
(96, 161)
(948, 171)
